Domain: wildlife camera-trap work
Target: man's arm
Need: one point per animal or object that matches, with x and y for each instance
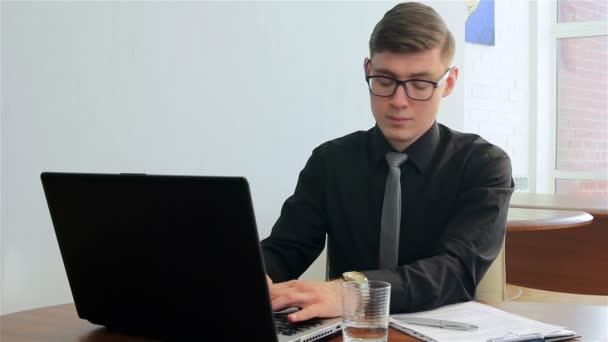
(470, 243)
(296, 240)
(298, 236)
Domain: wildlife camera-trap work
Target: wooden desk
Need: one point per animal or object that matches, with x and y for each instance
(562, 260)
(60, 323)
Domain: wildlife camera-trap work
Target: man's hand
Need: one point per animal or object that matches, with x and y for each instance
(316, 298)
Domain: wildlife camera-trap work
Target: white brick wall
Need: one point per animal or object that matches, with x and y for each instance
(496, 84)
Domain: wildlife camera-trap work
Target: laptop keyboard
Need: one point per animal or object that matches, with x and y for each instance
(285, 327)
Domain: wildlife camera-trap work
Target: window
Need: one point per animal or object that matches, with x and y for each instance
(581, 10)
(579, 96)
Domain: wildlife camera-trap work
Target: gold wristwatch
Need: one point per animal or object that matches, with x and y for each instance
(354, 276)
(361, 283)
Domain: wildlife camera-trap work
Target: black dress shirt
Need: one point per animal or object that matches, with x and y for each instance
(456, 189)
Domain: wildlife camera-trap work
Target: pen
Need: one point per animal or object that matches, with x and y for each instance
(519, 338)
(437, 323)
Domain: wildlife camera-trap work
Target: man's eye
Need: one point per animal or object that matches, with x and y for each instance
(385, 82)
(420, 85)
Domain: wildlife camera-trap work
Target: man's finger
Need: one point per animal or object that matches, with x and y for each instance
(288, 287)
(278, 291)
(290, 299)
(306, 313)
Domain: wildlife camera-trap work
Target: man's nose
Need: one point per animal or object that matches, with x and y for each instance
(400, 98)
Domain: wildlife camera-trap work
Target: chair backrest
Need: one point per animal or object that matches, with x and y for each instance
(492, 286)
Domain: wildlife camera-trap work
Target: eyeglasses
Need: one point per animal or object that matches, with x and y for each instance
(415, 89)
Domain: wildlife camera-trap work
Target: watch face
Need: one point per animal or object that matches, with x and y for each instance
(354, 276)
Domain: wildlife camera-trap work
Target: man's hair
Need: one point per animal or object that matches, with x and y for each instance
(412, 27)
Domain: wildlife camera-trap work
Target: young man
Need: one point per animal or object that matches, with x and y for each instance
(431, 224)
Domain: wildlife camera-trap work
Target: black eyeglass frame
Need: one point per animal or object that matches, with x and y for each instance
(404, 82)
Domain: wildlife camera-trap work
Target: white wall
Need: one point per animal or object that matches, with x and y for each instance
(1, 172)
(497, 84)
(177, 88)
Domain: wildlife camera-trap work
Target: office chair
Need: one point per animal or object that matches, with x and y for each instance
(492, 286)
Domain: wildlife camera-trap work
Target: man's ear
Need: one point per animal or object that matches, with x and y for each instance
(367, 65)
(450, 82)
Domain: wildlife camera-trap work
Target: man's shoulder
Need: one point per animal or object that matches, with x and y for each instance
(352, 141)
(471, 144)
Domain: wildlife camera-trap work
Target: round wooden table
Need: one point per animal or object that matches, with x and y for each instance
(528, 219)
(541, 254)
(523, 221)
(594, 204)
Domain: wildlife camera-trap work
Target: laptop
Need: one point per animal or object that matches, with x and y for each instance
(170, 257)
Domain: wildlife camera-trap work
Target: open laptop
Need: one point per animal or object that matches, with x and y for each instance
(169, 257)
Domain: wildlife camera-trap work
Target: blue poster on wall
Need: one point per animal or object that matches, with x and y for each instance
(479, 26)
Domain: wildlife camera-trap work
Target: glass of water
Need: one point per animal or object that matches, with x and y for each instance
(365, 307)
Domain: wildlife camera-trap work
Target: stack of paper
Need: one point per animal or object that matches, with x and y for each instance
(494, 324)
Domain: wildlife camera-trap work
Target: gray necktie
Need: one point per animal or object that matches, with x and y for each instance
(391, 212)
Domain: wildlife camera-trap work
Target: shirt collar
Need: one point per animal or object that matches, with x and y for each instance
(420, 153)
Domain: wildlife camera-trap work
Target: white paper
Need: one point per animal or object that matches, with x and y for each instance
(492, 323)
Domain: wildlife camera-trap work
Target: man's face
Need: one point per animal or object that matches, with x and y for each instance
(401, 119)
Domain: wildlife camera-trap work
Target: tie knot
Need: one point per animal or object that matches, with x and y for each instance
(395, 159)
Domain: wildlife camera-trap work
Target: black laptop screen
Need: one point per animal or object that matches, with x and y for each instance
(166, 256)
